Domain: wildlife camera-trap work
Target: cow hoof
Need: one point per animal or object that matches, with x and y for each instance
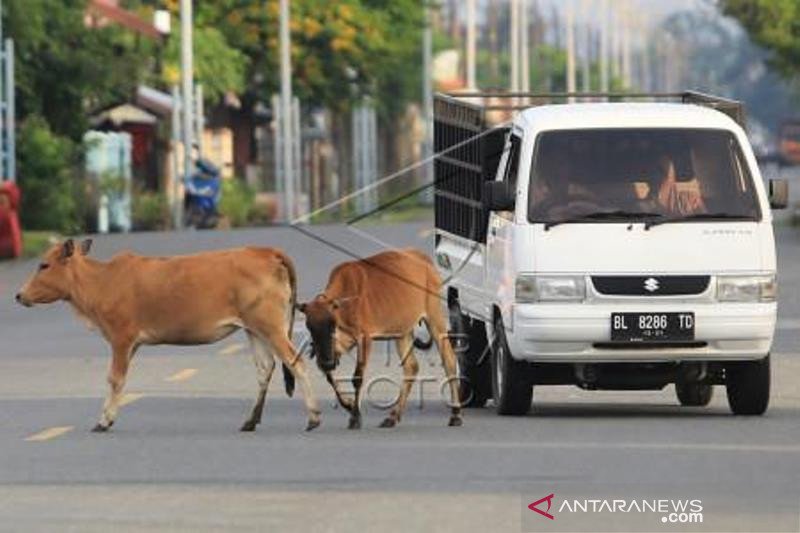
(388, 423)
(312, 424)
(248, 426)
(354, 423)
(455, 421)
(100, 428)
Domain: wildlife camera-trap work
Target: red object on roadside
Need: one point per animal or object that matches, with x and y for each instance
(10, 232)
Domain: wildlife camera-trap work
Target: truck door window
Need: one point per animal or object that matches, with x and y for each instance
(512, 164)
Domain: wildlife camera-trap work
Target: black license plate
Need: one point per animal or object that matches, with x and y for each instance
(652, 327)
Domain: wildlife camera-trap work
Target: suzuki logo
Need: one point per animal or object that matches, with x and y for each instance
(651, 284)
(546, 514)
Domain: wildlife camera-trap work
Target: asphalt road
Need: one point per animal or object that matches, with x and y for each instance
(176, 461)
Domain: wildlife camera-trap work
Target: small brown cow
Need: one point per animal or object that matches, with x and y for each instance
(381, 297)
(184, 300)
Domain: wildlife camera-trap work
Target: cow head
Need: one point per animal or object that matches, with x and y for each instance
(52, 281)
(323, 322)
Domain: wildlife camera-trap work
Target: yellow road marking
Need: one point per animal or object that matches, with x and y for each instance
(183, 375)
(49, 433)
(130, 397)
(424, 233)
(232, 349)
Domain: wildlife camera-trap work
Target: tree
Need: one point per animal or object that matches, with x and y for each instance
(775, 25)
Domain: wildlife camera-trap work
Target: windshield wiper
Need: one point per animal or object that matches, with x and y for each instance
(604, 215)
(697, 216)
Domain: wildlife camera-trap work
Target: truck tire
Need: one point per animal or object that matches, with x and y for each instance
(511, 384)
(748, 384)
(468, 338)
(693, 394)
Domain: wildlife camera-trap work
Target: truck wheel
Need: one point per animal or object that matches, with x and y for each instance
(693, 394)
(748, 383)
(513, 391)
(468, 338)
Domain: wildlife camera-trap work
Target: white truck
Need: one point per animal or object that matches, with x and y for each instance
(623, 245)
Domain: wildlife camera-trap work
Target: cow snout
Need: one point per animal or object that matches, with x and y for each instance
(21, 300)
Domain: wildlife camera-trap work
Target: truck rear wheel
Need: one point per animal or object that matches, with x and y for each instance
(693, 394)
(468, 338)
(748, 386)
(511, 384)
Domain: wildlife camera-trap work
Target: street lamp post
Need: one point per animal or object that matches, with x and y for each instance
(187, 97)
(286, 110)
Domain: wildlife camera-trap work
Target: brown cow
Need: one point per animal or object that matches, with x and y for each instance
(381, 297)
(186, 300)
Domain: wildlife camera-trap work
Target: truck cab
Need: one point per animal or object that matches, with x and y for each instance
(618, 245)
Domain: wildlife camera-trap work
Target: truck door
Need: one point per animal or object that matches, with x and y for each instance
(498, 264)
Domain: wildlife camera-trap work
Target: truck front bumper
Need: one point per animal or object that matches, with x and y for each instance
(581, 332)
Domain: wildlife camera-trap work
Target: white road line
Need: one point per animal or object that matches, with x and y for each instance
(130, 397)
(182, 375)
(49, 433)
(232, 349)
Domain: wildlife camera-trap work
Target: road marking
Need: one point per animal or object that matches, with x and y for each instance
(130, 397)
(232, 349)
(183, 375)
(788, 325)
(49, 433)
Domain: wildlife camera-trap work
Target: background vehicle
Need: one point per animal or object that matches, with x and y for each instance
(202, 196)
(623, 245)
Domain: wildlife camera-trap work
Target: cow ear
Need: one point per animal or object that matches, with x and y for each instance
(67, 249)
(86, 245)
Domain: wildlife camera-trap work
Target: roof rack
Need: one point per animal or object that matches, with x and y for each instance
(733, 108)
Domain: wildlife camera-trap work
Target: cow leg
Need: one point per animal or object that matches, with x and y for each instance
(291, 360)
(405, 350)
(347, 403)
(363, 351)
(439, 334)
(117, 374)
(265, 365)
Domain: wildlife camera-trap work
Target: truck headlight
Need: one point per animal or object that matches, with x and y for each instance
(531, 289)
(747, 288)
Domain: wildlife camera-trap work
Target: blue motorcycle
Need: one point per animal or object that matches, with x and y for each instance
(202, 191)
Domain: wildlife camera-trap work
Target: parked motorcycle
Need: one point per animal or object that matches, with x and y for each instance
(202, 195)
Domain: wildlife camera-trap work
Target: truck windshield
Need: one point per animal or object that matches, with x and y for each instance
(652, 175)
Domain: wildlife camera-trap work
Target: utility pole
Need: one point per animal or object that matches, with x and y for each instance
(187, 98)
(514, 44)
(471, 45)
(626, 45)
(427, 96)
(525, 70)
(586, 52)
(286, 109)
(570, 21)
(604, 82)
(8, 150)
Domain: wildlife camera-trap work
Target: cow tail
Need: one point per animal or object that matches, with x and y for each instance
(288, 376)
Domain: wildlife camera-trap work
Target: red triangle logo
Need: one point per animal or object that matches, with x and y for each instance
(546, 514)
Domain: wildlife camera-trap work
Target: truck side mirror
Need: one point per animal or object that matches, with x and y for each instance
(497, 196)
(778, 194)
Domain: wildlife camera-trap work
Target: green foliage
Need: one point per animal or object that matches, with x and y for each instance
(150, 211)
(219, 66)
(774, 24)
(47, 178)
(64, 71)
(237, 202)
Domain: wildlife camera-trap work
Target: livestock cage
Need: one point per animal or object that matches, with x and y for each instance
(469, 138)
